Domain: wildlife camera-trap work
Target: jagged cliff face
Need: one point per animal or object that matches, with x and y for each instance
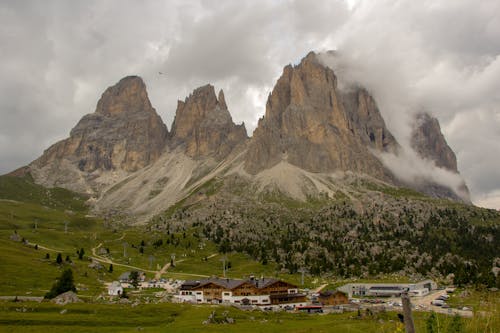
(428, 141)
(204, 125)
(311, 124)
(124, 133)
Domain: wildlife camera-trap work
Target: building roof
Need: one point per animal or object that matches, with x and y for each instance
(262, 283)
(229, 283)
(114, 285)
(387, 288)
(224, 283)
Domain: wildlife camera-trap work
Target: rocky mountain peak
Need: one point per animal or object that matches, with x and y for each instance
(311, 124)
(222, 100)
(128, 95)
(429, 142)
(124, 132)
(204, 125)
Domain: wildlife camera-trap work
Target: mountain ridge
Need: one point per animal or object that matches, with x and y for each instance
(124, 156)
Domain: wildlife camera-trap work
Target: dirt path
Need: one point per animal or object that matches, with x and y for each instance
(320, 288)
(44, 247)
(162, 271)
(212, 255)
(102, 259)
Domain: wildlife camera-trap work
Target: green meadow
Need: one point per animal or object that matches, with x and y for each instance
(168, 317)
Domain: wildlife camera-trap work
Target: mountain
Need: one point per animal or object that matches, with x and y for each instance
(315, 139)
(309, 123)
(124, 133)
(428, 141)
(204, 125)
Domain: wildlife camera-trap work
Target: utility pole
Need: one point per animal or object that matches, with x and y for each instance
(223, 266)
(408, 318)
(66, 227)
(172, 259)
(303, 271)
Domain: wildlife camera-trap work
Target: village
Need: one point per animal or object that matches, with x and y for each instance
(270, 294)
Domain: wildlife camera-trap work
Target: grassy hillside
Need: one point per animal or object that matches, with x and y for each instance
(25, 190)
(36, 222)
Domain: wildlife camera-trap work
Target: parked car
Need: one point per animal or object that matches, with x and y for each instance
(437, 302)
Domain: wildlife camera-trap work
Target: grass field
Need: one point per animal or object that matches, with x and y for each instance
(166, 317)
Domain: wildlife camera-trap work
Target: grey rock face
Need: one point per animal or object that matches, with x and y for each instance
(429, 142)
(204, 125)
(311, 124)
(123, 135)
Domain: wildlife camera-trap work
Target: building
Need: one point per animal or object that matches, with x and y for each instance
(115, 289)
(331, 297)
(421, 288)
(252, 291)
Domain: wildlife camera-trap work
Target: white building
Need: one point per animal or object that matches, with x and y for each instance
(421, 288)
(115, 289)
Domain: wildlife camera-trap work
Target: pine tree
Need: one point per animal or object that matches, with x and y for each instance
(81, 253)
(64, 283)
(134, 278)
(110, 268)
(59, 259)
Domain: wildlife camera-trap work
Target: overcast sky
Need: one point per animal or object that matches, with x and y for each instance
(57, 57)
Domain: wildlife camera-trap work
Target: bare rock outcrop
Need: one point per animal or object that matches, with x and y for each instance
(311, 124)
(204, 125)
(428, 141)
(124, 133)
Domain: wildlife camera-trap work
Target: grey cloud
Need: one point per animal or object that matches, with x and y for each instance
(440, 57)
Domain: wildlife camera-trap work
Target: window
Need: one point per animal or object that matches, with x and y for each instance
(254, 301)
(227, 294)
(198, 293)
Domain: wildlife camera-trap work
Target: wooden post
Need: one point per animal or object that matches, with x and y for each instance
(408, 318)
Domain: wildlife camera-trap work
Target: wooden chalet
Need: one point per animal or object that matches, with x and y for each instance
(253, 291)
(331, 297)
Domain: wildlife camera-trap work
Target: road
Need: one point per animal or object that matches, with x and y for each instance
(424, 304)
